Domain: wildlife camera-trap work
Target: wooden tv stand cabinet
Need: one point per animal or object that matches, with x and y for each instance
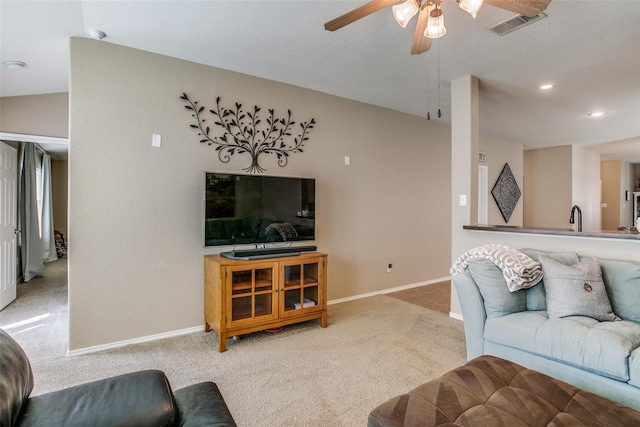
(248, 296)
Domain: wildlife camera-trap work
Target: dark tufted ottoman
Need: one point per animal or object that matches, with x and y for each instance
(489, 391)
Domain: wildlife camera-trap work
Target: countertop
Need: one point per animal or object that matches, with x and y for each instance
(606, 234)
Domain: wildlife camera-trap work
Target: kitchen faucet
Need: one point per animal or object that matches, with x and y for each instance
(572, 221)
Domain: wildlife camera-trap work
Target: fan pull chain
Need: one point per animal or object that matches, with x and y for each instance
(428, 87)
(439, 112)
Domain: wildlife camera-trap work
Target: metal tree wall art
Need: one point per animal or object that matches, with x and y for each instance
(243, 131)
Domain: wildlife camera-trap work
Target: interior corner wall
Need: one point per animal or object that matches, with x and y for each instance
(548, 188)
(611, 174)
(464, 164)
(42, 115)
(586, 188)
(627, 183)
(136, 211)
(59, 185)
(617, 177)
(628, 180)
(500, 152)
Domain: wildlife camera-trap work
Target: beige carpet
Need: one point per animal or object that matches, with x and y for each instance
(373, 349)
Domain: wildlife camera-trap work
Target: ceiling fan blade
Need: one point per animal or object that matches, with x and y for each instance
(421, 43)
(523, 7)
(354, 15)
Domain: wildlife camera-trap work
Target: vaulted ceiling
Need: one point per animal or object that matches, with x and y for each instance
(589, 51)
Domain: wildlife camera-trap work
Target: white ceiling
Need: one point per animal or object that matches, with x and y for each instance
(589, 49)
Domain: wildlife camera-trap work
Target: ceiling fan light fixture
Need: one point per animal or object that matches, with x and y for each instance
(403, 12)
(546, 86)
(435, 24)
(471, 6)
(597, 114)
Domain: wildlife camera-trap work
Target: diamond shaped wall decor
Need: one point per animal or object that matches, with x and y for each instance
(506, 192)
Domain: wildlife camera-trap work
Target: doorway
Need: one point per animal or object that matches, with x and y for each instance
(483, 194)
(8, 223)
(56, 150)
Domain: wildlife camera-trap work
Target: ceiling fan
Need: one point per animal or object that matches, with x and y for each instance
(430, 18)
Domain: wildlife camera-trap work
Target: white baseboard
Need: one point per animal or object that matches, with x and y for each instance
(388, 291)
(455, 316)
(124, 343)
(199, 328)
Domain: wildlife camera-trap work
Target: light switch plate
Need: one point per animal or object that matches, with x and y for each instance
(156, 141)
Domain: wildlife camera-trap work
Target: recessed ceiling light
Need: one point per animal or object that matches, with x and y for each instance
(545, 87)
(96, 34)
(14, 65)
(597, 114)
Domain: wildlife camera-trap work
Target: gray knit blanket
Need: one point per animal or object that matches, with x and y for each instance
(519, 270)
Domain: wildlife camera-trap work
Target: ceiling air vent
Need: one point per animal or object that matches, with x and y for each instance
(517, 22)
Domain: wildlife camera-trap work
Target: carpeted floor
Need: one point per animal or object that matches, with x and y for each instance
(374, 348)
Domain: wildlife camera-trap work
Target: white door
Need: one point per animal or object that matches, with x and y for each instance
(8, 223)
(483, 194)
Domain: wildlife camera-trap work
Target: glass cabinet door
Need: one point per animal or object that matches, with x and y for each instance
(252, 293)
(300, 286)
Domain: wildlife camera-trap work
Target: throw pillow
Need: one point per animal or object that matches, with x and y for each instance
(576, 290)
(498, 300)
(536, 296)
(16, 379)
(622, 280)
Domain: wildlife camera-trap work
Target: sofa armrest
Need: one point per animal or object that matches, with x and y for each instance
(142, 398)
(473, 313)
(203, 405)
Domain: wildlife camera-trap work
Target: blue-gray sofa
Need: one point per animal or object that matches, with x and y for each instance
(602, 357)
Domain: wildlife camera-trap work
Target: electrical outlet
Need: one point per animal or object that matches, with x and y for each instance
(389, 266)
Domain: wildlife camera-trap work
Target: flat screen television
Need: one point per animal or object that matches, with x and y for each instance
(257, 209)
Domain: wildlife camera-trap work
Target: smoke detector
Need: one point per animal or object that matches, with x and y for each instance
(96, 34)
(505, 27)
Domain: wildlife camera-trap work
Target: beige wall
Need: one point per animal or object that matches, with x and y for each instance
(547, 187)
(557, 178)
(135, 215)
(43, 115)
(498, 153)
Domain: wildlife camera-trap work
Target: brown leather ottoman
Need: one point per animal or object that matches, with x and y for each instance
(489, 391)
